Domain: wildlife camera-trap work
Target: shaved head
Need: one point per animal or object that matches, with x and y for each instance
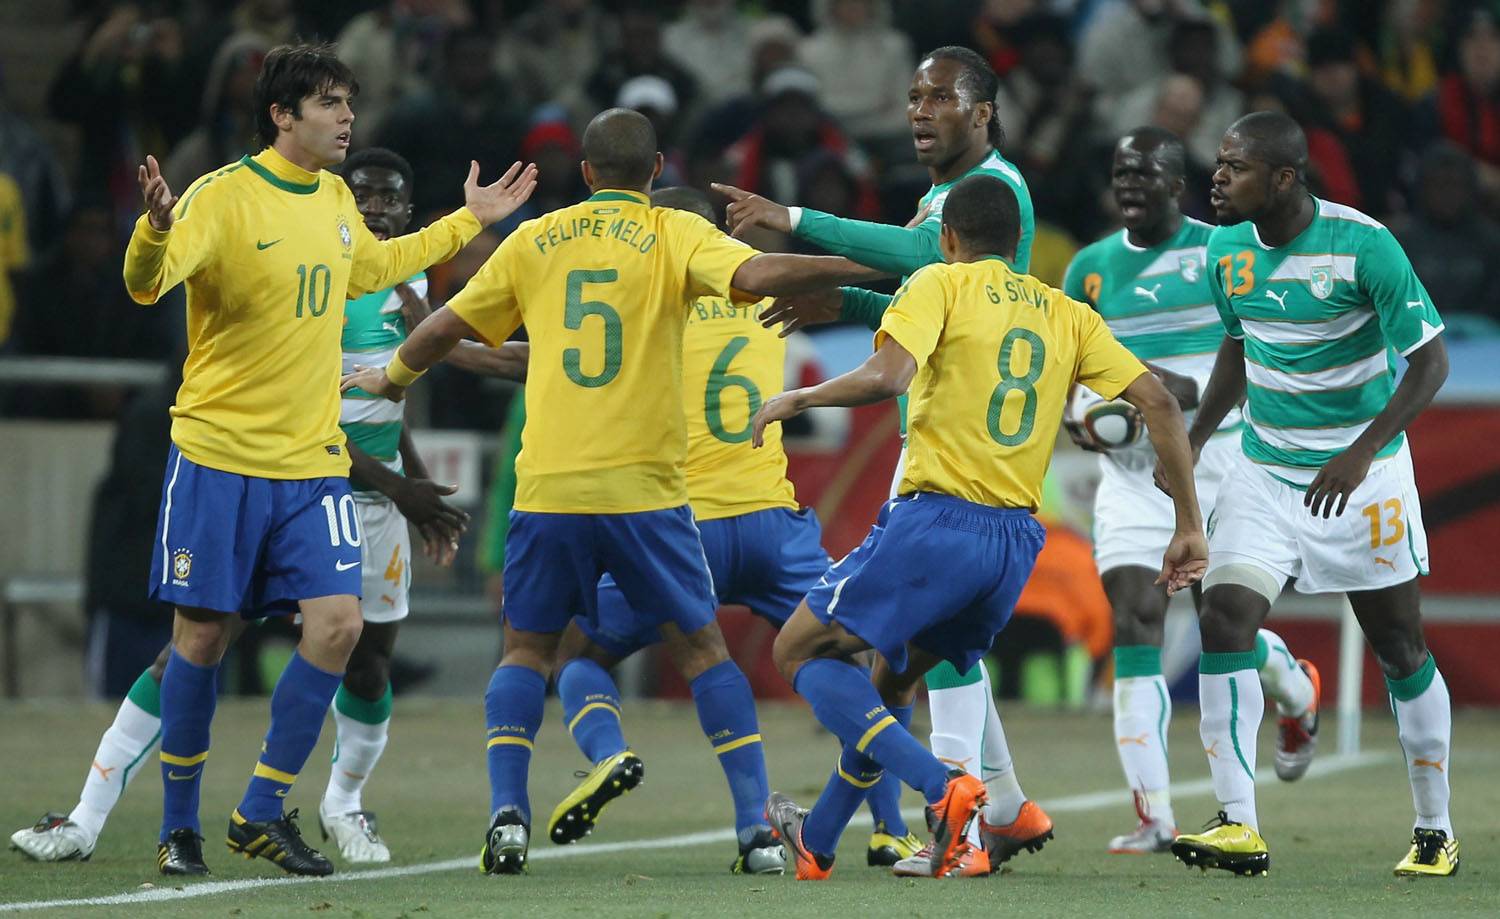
(1274, 139)
(1160, 144)
(620, 146)
(683, 198)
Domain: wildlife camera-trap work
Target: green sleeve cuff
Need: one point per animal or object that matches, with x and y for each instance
(864, 306)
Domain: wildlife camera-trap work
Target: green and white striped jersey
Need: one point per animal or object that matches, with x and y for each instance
(1322, 318)
(1002, 169)
(373, 330)
(1156, 300)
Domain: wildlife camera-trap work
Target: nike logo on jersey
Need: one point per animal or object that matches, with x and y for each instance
(1279, 298)
(261, 245)
(181, 778)
(343, 566)
(1149, 294)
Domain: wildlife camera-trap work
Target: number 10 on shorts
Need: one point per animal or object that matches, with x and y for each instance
(343, 518)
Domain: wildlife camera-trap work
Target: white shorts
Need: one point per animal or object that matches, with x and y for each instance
(1133, 519)
(1378, 542)
(386, 559)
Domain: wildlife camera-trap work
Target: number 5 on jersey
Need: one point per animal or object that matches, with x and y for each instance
(575, 310)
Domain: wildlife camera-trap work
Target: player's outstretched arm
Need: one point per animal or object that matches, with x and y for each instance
(1187, 554)
(429, 343)
(1426, 369)
(884, 375)
(886, 250)
(774, 274)
(160, 257)
(507, 362)
(418, 498)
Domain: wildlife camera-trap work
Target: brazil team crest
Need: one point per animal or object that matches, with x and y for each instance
(344, 235)
(182, 566)
(1320, 279)
(1188, 267)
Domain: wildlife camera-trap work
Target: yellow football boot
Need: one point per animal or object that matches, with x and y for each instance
(886, 849)
(1224, 844)
(610, 778)
(1432, 855)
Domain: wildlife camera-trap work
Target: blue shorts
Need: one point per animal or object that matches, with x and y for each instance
(553, 563)
(939, 572)
(243, 544)
(767, 560)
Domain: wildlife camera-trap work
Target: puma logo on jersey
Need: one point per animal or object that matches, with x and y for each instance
(104, 771)
(1138, 741)
(1436, 764)
(1279, 298)
(1386, 562)
(1212, 750)
(1150, 294)
(956, 763)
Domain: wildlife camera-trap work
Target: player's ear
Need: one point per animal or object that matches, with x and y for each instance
(948, 243)
(661, 162)
(588, 173)
(984, 113)
(282, 117)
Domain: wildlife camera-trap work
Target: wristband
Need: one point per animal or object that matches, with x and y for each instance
(399, 374)
(794, 217)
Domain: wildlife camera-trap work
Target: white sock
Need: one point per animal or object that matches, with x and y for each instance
(357, 749)
(997, 769)
(1233, 705)
(1142, 712)
(1281, 679)
(1424, 724)
(118, 759)
(958, 717)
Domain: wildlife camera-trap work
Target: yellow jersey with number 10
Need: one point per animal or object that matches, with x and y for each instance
(603, 288)
(731, 366)
(996, 352)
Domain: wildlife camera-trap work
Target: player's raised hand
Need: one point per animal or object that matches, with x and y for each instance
(798, 310)
(1185, 561)
(779, 408)
(1336, 481)
(493, 203)
(372, 380)
(159, 198)
(747, 211)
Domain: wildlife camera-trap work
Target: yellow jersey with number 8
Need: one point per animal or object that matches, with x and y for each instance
(603, 288)
(996, 352)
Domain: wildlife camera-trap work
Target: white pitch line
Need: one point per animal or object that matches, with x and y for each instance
(1071, 804)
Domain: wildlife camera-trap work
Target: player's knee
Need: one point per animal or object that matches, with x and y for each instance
(332, 632)
(696, 652)
(200, 641)
(368, 675)
(1400, 655)
(1137, 623)
(1224, 625)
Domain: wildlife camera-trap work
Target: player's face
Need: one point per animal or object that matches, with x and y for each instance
(942, 124)
(1143, 186)
(383, 199)
(325, 125)
(1241, 185)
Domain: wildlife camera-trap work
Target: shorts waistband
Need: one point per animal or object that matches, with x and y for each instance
(962, 504)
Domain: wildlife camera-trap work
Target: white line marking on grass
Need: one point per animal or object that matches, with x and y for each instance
(1069, 805)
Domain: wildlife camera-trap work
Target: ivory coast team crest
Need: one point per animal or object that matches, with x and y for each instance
(1320, 280)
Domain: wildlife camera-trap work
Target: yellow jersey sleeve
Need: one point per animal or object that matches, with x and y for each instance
(379, 264)
(1104, 365)
(488, 303)
(915, 318)
(14, 251)
(713, 256)
(156, 262)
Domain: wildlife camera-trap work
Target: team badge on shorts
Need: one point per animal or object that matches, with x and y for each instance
(1187, 266)
(1321, 281)
(344, 235)
(182, 567)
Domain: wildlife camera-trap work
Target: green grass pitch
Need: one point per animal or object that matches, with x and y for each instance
(665, 849)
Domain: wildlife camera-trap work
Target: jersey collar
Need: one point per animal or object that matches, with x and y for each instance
(619, 194)
(282, 172)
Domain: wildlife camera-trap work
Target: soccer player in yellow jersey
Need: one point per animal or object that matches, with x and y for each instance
(257, 516)
(604, 289)
(988, 356)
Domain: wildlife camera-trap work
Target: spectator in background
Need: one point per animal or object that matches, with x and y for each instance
(708, 41)
(1407, 46)
(555, 149)
(1366, 118)
(1330, 175)
(773, 42)
(654, 97)
(863, 67)
(1179, 108)
(549, 53)
(1126, 46)
(994, 33)
(37, 172)
(393, 50)
(468, 114)
(637, 51)
(1466, 107)
(1454, 248)
(226, 130)
(15, 251)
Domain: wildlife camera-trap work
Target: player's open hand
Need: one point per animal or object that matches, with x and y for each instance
(1336, 481)
(414, 306)
(159, 198)
(493, 203)
(1185, 561)
(373, 381)
(440, 523)
(780, 408)
(747, 211)
(798, 310)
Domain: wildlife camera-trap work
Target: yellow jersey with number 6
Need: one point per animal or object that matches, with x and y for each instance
(603, 288)
(731, 366)
(996, 352)
(268, 253)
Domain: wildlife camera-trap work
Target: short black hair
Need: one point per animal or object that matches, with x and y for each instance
(291, 73)
(1275, 139)
(1168, 146)
(978, 83)
(620, 146)
(685, 198)
(983, 211)
(379, 158)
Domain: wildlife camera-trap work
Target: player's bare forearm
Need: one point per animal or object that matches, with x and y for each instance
(775, 274)
(1225, 390)
(411, 459)
(1426, 371)
(366, 470)
(507, 362)
(885, 375)
(1169, 437)
(434, 339)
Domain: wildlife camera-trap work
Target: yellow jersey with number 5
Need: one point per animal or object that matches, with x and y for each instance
(603, 288)
(268, 253)
(996, 352)
(731, 366)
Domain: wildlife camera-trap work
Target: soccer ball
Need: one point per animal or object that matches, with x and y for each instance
(1113, 424)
